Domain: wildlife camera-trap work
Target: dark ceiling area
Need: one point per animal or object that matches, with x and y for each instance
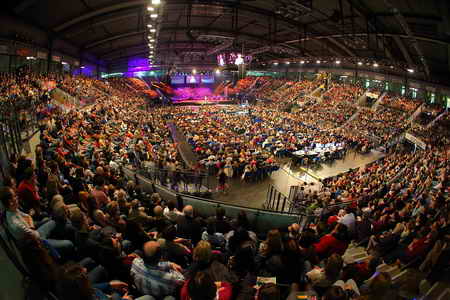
(412, 33)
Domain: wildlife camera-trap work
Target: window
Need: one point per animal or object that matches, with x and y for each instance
(367, 83)
(413, 93)
(403, 90)
(386, 86)
(432, 97)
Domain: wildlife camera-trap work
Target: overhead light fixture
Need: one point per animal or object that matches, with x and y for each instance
(391, 67)
(275, 63)
(318, 61)
(82, 67)
(149, 25)
(302, 62)
(410, 70)
(153, 16)
(156, 2)
(217, 71)
(194, 71)
(360, 63)
(375, 65)
(338, 62)
(288, 62)
(152, 40)
(153, 30)
(150, 8)
(63, 62)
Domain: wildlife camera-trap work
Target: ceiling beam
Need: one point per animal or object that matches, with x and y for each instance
(420, 38)
(342, 46)
(183, 45)
(139, 3)
(113, 38)
(403, 49)
(24, 5)
(80, 29)
(327, 47)
(98, 12)
(404, 24)
(171, 29)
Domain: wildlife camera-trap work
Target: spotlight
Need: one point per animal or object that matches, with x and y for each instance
(302, 62)
(410, 70)
(375, 65)
(338, 62)
(153, 16)
(318, 61)
(156, 2)
(150, 8)
(359, 63)
(194, 71)
(288, 62)
(153, 30)
(391, 67)
(149, 25)
(152, 40)
(275, 63)
(217, 71)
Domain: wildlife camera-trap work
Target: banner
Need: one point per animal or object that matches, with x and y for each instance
(372, 95)
(416, 141)
(3, 49)
(49, 85)
(24, 52)
(41, 55)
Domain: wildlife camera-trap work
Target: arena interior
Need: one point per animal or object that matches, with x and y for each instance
(224, 149)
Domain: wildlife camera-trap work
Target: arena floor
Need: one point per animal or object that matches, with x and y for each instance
(253, 195)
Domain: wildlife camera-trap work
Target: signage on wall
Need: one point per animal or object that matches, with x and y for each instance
(24, 52)
(4, 49)
(41, 55)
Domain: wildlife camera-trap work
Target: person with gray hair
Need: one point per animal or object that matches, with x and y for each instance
(187, 226)
(153, 276)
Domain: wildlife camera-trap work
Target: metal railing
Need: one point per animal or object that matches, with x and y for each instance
(261, 220)
(182, 181)
(19, 121)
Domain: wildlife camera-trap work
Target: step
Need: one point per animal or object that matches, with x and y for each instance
(438, 289)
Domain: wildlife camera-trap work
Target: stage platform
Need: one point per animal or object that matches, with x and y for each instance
(351, 160)
(202, 101)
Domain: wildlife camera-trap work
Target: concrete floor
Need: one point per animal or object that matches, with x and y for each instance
(254, 194)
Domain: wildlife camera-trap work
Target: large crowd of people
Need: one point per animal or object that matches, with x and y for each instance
(86, 231)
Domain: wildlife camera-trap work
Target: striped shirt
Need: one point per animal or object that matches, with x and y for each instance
(158, 281)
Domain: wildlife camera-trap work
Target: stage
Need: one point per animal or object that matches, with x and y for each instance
(207, 101)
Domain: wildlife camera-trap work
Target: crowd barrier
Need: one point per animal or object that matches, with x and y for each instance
(261, 220)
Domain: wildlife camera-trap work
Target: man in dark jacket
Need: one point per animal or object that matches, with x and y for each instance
(187, 226)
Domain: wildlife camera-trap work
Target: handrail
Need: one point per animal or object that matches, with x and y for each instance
(131, 173)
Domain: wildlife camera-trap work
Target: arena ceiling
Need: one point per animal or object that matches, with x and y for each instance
(415, 33)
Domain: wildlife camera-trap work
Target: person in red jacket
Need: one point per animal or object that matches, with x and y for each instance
(334, 242)
(202, 287)
(28, 192)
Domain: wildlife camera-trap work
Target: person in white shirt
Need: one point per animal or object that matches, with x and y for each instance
(21, 225)
(171, 212)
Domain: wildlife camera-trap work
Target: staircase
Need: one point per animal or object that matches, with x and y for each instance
(352, 117)
(416, 113)
(437, 119)
(362, 100)
(409, 282)
(378, 102)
